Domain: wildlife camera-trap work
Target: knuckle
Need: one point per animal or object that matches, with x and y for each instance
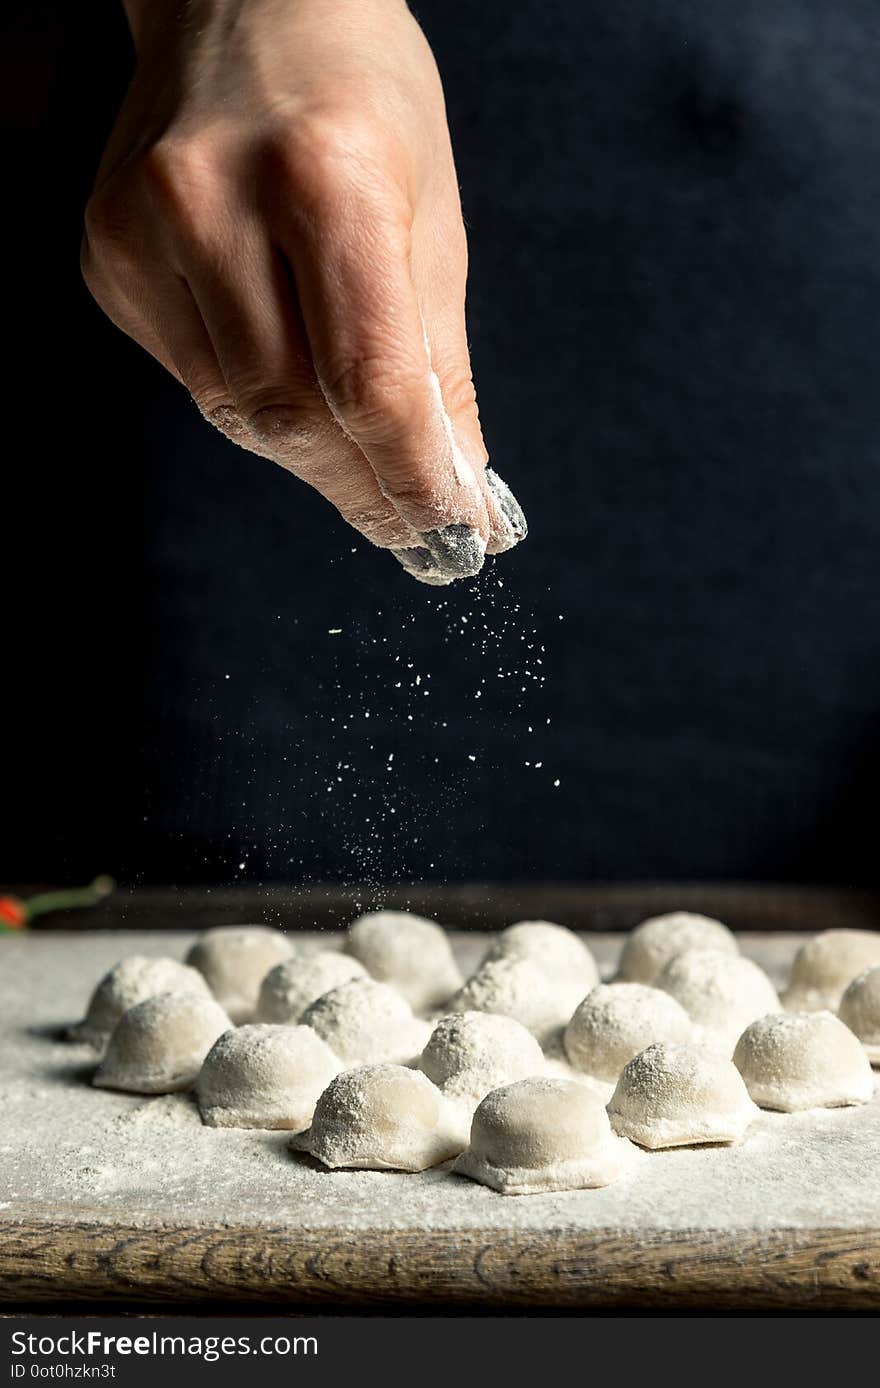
(90, 269)
(286, 428)
(208, 392)
(172, 164)
(323, 139)
(369, 396)
(110, 217)
(327, 154)
(459, 393)
(181, 179)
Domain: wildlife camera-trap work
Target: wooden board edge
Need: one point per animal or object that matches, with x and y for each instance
(590, 906)
(326, 1270)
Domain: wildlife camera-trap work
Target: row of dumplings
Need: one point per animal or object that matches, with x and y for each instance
(380, 1055)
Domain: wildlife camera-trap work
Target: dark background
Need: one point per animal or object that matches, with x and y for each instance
(674, 216)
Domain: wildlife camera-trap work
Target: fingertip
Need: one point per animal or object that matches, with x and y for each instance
(458, 549)
(446, 554)
(509, 521)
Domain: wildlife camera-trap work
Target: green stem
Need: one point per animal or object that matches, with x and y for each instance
(69, 897)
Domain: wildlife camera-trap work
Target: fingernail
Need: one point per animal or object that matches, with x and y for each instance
(458, 550)
(455, 551)
(415, 561)
(420, 564)
(508, 505)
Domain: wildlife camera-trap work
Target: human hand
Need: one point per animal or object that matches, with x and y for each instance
(276, 219)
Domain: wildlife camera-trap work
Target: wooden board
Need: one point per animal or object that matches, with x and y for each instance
(324, 1241)
(81, 1260)
(482, 906)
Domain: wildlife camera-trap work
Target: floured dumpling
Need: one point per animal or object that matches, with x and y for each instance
(235, 959)
(381, 1118)
(471, 1053)
(264, 1076)
(412, 954)
(131, 981)
(722, 993)
(543, 1134)
(158, 1045)
(860, 1011)
(616, 1021)
(294, 984)
(825, 966)
(680, 1096)
(520, 988)
(798, 1060)
(651, 945)
(365, 1023)
(554, 947)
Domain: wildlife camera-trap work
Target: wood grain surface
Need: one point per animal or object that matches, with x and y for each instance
(558, 1268)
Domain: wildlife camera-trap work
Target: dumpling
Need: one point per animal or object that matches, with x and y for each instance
(860, 1011)
(616, 1021)
(131, 981)
(540, 1000)
(825, 966)
(264, 1076)
(365, 1022)
(651, 945)
(412, 954)
(471, 1053)
(381, 1118)
(680, 1096)
(798, 1060)
(158, 1046)
(294, 984)
(235, 959)
(720, 992)
(543, 1134)
(554, 947)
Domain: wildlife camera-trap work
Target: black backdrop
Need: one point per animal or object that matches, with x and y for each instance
(674, 215)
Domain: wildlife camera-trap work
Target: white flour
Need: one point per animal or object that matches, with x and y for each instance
(69, 1150)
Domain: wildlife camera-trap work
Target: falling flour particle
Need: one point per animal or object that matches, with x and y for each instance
(542, 1135)
(158, 1046)
(651, 946)
(826, 965)
(680, 1096)
(860, 1011)
(234, 960)
(382, 1118)
(131, 981)
(799, 1060)
(294, 984)
(722, 993)
(365, 1022)
(616, 1021)
(471, 1053)
(264, 1076)
(412, 954)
